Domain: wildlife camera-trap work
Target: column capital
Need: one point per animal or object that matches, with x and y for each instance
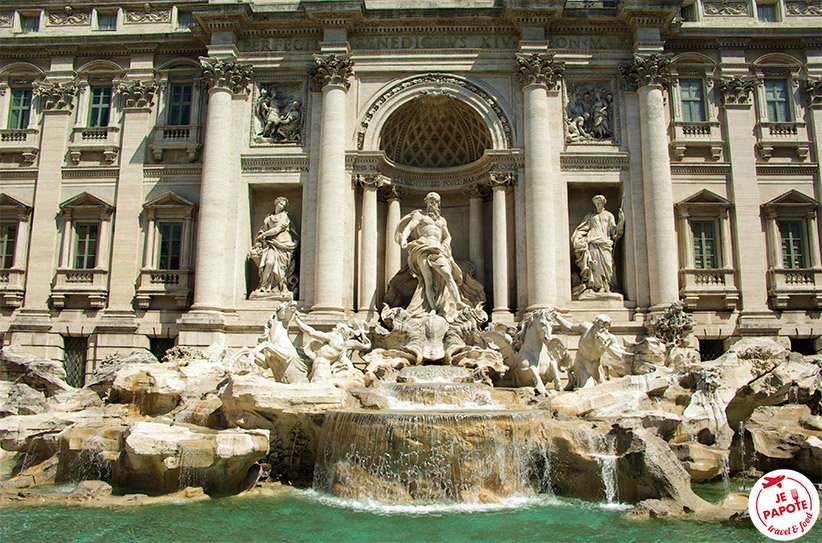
(646, 70)
(137, 94)
(539, 69)
(370, 180)
(476, 190)
(737, 90)
(226, 74)
(502, 179)
(331, 69)
(813, 89)
(56, 96)
(393, 192)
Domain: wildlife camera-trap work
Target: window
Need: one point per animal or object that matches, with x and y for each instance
(29, 23)
(100, 106)
(776, 100)
(688, 13)
(86, 255)
(107, 21)
(704, 236)
(185, 19)
(693, 110)
(171, 236)
(159, 346)
(20, 109)
(179, 110)
(8, 239)
(793, 244)
(711, 349)
(74, 359)
(766, 13)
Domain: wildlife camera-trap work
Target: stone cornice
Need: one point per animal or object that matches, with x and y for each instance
(594, 162)
(539, 69)
(56, 96)
(284, 164)
(643, 70)
(331, 69)
(701, 169)
(152, 172)
(227, 74)
(810, 170)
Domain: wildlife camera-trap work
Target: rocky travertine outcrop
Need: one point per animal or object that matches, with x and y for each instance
(162, 458)
(702, 462)
(47, 376)
(20, 399)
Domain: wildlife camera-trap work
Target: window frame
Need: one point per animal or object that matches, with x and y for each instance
(166, 254)
(699, 258)
(701, 101)
(8, 249)
(12, 108)
(23, 16)
(171, 104)
(98, 14)
(95, 121)
(773, 5)
(789, 113)
(85, 234)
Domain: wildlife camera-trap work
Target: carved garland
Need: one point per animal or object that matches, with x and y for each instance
(56, 97)
(137, 94)
(502, 179)
(148, 15)
(647, 70)
(539, 69)
(737, 90)
(226, 74)
(727, 8)
(331, 70)
(69, 17)
(439, 79)
(804, 7)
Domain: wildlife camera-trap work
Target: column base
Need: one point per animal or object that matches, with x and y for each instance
(502, 315)
(201, 328)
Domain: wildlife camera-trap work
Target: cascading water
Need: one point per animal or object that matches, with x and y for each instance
(192, 470)
(603, 450)
(449, 442)
(91, 464)
(724, 465)
(742, 451)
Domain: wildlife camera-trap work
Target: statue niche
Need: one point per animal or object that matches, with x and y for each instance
(279, 115)
(273, 254)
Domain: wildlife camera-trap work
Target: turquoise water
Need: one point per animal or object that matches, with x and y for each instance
(304, 516)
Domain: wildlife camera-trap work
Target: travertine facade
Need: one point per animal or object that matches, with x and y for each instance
(144, 145)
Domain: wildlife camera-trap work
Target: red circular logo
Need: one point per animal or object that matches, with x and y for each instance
(783, 505)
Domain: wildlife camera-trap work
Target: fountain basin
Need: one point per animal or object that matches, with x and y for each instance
(447, 396)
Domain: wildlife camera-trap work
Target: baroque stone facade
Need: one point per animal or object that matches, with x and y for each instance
(143, 145)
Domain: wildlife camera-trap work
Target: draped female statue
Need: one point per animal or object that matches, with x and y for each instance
(273, 252)
(593, 242)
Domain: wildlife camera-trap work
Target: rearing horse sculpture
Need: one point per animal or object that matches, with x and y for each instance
(531, 352)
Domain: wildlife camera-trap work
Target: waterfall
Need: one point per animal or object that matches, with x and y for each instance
(742, 451)
(192, 473)
(91, 464)
(423, 457)
(606, 457)
(440, 397)
(724, 465)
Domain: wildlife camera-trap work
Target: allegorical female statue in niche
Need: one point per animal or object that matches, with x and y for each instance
(273, 252)
(593, 242)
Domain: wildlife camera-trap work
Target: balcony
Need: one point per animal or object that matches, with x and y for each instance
(698, 134)
(800, 288)
(91, 284)
(176, 138)
(102, 139)
(12, 286)
(784, 135)
(704, 286)
(156, 283)
(25, 141)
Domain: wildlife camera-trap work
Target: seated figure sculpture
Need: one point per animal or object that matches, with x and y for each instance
(593, 242)
(596, 340)
(330, 352)
(424, 233)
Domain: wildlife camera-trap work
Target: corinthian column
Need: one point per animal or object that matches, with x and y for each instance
(539, 73)
(367, 299)
(331, 72)
(393, 253)
(223, 79)
(499, 184)
(476, 251)
(649, 75)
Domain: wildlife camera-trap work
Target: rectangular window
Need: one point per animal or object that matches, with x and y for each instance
(766, 13)
(776, 99)
(705, 256)
(171, 236)
(693, 110)
(107, 21)
(159, 346)
(74, 359)
(793, 245)
(688, 13)
(20, 109)
(185, 19)
(179, 107)
(86, 255)
(8, 239)
(29, 23)
(100, 106)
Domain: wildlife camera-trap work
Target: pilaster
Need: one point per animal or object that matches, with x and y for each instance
(393, 253)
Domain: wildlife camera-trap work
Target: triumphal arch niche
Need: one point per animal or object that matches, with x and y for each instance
(444, 133)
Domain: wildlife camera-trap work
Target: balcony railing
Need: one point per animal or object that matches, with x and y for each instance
(705, 285)
(156, 283)
(12, 286)
(696, 134)
(25, 141)
(91, 284)
(792, 286)
(184, 138)
(102, 139)
(786, 135)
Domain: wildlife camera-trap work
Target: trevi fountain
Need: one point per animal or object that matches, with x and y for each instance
(427, 423)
